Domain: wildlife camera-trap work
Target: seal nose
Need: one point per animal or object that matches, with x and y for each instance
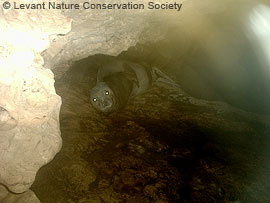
(104, 103)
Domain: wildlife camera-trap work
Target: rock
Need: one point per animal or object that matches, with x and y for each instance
(103, 31)
(151, 192)
(26, 197)
(7, 122)
(79, 176)
(29, 116)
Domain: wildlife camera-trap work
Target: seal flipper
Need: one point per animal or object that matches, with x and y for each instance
(159, 76)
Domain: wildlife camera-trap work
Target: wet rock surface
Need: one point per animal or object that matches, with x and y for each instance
(165, 146)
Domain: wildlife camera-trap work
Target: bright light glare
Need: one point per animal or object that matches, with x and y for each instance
(260, 26)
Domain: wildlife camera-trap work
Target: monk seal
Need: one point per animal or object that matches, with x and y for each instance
(118, 81)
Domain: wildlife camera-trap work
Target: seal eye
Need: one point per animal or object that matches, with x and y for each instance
(94, 99)
(107, 92)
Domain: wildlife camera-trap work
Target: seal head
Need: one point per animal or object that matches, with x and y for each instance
(117, 83)
(102, 97)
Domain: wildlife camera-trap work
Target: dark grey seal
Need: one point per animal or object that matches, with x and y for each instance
(118, 81)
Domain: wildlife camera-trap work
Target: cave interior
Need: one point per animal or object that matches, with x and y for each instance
(198, 133)
(205, 139)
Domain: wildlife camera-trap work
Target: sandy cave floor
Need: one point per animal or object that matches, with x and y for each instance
(163, 147)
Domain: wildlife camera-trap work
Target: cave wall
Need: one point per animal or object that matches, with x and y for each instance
(108, 32)
(29, 106)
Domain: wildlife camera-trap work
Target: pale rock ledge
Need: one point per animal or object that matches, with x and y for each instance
(29, 106)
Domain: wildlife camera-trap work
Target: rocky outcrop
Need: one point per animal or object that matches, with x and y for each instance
(26, 197)
(29, 105)
(103, 31)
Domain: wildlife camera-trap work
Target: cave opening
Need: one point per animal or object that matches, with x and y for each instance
(185, 120)
(197, 141)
